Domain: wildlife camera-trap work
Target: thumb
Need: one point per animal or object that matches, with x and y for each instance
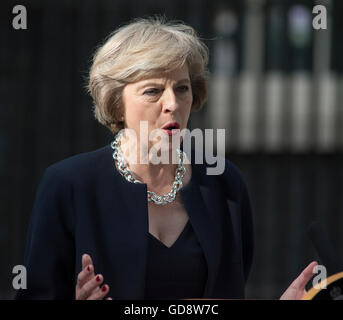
(304, 277)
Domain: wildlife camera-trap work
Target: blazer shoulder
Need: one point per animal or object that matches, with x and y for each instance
(234, 181)
(82, 164)
(233, 172)
(227, 173)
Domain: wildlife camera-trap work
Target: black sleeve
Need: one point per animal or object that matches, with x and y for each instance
(237, 191)
(50, 250)
(247, 230)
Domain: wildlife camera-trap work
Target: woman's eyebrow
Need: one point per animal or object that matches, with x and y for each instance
(184, 80)
(152, 83)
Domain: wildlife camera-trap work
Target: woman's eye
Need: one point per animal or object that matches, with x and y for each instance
(151, 91)
(183, 88)
(155, 91)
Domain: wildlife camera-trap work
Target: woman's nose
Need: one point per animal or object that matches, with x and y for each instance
(170, 102)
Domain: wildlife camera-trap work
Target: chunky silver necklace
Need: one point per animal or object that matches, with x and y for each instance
(152, 196)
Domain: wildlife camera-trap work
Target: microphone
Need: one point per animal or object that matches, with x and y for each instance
(332, 263)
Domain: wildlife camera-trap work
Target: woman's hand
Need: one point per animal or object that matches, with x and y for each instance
(297, 289)
(88, 285)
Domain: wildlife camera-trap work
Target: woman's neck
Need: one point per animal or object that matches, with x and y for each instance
(158, 177)
(156, 171)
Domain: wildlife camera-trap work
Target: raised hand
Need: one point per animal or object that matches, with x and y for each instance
(297, 288)
(88, 285)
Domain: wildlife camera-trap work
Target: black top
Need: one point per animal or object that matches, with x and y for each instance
(176, 272)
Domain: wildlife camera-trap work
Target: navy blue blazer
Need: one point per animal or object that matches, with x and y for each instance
(83, 205)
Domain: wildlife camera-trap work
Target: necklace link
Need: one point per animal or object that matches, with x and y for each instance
(151, 196)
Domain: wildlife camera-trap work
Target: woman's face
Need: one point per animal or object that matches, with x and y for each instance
(163, 99)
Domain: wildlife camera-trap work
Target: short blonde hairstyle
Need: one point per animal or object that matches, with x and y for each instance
(139, 50)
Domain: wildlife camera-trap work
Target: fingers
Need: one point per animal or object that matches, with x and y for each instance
(99, 293)
(88, 285)
(87, 289)
(84, 276)
(86, 260)
(304, 277)
(87, 271)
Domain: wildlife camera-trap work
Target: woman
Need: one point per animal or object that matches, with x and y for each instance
(95, 233)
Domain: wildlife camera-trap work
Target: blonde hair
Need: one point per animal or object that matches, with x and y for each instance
(139, 50)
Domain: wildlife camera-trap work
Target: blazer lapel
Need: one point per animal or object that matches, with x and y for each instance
(216, 222)
(127, 232)
(203, 207)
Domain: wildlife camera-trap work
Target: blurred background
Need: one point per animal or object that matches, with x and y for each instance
(276, 86)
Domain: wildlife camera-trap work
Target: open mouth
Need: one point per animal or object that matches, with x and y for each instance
(171, 128)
